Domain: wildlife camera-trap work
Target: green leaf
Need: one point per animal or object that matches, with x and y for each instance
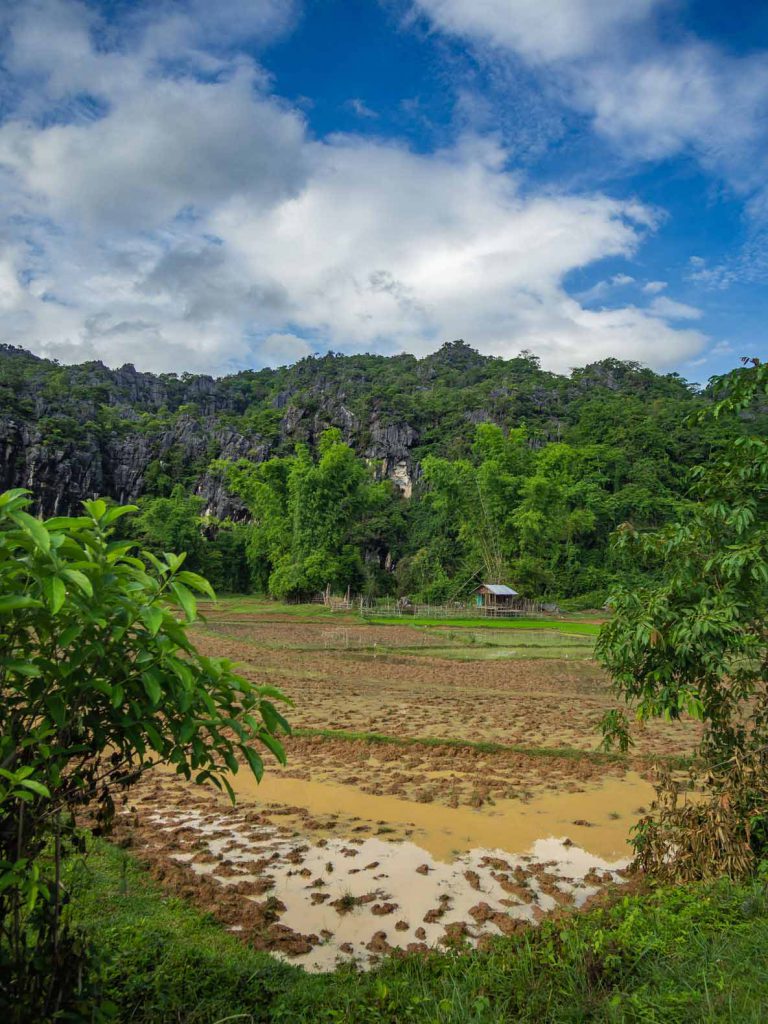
(118, 549)
(79, 579)
(57, 594)
(67, 522)
(21, 668)
(222, 780)
(155, 738)
(255, 762)
(9, 497)
(57, 708)
(11, 602)
(36, 787)
(96, 509)
(152, 686)
(197, 582)
(174, 561)
(186, 600)
(35, 529)
(187, 730)
(274, 745)
(69, 634)
(117, 512)
(273, 719)
(152, 617)
(272, 691)
(161, 567)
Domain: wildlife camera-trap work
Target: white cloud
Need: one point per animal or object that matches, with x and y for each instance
(167, 145)
(671, 310)
(361, 108)
(283, 349)
(602, 288)
(722, 348)
(654, 287)
(188, 221)
(716, 352)
(687, 98)
(651, 96)
(541, 30)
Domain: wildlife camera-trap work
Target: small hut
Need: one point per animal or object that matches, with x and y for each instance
(495, 597)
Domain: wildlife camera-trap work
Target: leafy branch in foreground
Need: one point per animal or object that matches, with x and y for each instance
(99, 682)
(694, 641)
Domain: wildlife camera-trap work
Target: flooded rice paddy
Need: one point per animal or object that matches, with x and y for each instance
(358, 848)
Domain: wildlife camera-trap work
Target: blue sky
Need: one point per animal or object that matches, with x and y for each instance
(196, 186)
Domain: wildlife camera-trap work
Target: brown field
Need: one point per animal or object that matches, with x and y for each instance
(462, 827)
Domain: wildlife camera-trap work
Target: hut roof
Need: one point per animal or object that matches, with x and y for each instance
(500, 589)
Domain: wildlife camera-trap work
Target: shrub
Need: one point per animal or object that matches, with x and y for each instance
(99, 683)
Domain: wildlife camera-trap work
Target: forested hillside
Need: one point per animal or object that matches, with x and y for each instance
(385, 474)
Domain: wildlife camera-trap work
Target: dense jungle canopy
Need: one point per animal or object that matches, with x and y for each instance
(388, 475)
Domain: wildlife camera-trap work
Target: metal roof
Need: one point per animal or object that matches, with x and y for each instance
(500, 589)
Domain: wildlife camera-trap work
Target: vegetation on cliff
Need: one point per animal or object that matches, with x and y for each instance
(466, 465)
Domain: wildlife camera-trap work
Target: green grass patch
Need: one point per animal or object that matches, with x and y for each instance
(574, 628)
(499, 652)
(164, 960)
(673, 761)
(240, 604)
(485, 747)
(687, 955)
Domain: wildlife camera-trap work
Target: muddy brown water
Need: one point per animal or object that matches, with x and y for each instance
(462, 874)
(609, 809)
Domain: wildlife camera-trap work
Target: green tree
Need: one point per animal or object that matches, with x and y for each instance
(99, 682)
(311, 519)
(172, 524)
(692, 639)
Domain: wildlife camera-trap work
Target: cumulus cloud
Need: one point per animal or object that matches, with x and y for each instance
(686, 98)
(283, 349)
(671, 310)
(181, 217)
(541, 30)
(603, 288)
(651, 96)
(166, 145)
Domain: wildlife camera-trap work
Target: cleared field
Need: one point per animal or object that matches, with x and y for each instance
(464, 746)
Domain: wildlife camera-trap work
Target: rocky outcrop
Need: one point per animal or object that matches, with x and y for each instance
(390, 449)
(63, 473)
(74, 432)
(60, 474)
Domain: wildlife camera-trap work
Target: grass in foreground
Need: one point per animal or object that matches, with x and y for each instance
(692, 954)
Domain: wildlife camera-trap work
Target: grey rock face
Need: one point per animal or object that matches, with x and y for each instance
(124, 458)
(390, 447)
(59, 474)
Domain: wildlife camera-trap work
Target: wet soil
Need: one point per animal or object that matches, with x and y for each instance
(320, 887)
(534, 703)
(355, 849)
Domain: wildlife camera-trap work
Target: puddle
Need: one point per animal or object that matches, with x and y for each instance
(344, 900)
(321, 899)
(432, 901)
(336, 892)
(609, 809)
